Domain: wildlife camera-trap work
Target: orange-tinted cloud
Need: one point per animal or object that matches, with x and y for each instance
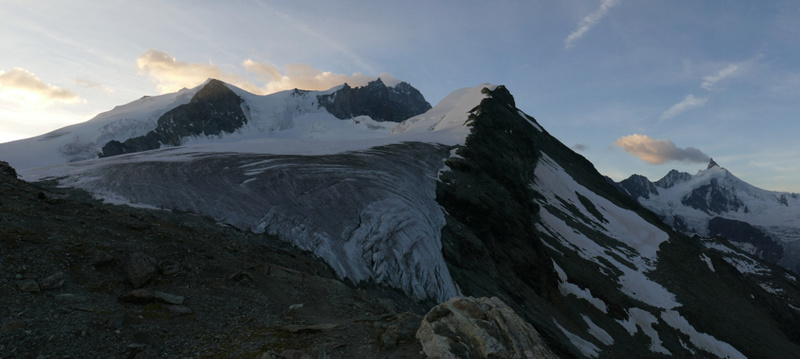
(172, 75)
(659, 151)
(23, 87)
(307, 77)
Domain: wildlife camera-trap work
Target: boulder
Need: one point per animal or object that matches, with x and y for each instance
(140, 268)
(466, 327)
(54, 281)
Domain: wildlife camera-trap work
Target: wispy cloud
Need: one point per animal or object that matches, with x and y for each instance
(659, 151)
(589, 22)
(690, 102)
(23, 87)
(307, 77)
(710, 81)
(579, 147)
(89, 84)
(172, 75)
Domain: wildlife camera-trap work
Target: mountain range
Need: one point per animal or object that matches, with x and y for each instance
(469, 198)
(714, 202)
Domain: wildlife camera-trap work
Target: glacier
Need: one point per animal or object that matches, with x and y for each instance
(358, 193)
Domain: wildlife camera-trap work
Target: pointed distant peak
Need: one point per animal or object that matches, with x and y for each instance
(712, 164)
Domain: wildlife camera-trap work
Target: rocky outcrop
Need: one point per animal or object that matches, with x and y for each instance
(479, 328)
(376, 100)
(672, 178)
(7, 170)
(489, 243)
(713, 198)
(637, 186)
(213, 110)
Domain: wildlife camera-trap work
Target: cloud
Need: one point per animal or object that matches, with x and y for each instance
(307, 77)
(688, 103)
(589, 22)
(710, 81)
(659, 151)
(579, 147)
(21, 86)
(172, 75)
(89, 84)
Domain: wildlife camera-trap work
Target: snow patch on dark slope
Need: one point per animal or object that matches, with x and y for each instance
(532, 222)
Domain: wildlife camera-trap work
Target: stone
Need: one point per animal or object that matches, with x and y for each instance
(138, 296)
(168, 298)
(28, 285)
(168, 267)
(118, 321)
(54, 281)
(140, 268)
(466, 327)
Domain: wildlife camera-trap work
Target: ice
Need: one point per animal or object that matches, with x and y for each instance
(354, 192)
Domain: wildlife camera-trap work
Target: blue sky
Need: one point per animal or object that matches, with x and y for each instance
(639, 86)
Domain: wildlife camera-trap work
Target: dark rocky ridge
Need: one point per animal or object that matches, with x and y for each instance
(672, 178)
(637, 186)
(376, 100)
(213, 110)
(492, 248)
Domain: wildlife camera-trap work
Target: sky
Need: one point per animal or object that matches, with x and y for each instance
(640, 86)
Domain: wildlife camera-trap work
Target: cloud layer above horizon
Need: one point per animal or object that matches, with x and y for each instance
(659, 151)
(172, 75)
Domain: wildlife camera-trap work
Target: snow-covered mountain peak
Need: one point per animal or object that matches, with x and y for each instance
(448, 116)
(711, 164)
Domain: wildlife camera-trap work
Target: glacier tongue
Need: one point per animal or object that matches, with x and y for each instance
(371, 214)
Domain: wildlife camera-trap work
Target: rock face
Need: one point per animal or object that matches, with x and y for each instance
(376, 100)
(213, 110)
(479, 328)
(7, 170)
(745, 234)
(713, 198)
(637, 186)
(488, 241)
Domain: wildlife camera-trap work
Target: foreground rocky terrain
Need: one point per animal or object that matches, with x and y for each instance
(83, 279)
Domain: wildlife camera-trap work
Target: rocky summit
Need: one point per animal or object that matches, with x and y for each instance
(321, 228)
